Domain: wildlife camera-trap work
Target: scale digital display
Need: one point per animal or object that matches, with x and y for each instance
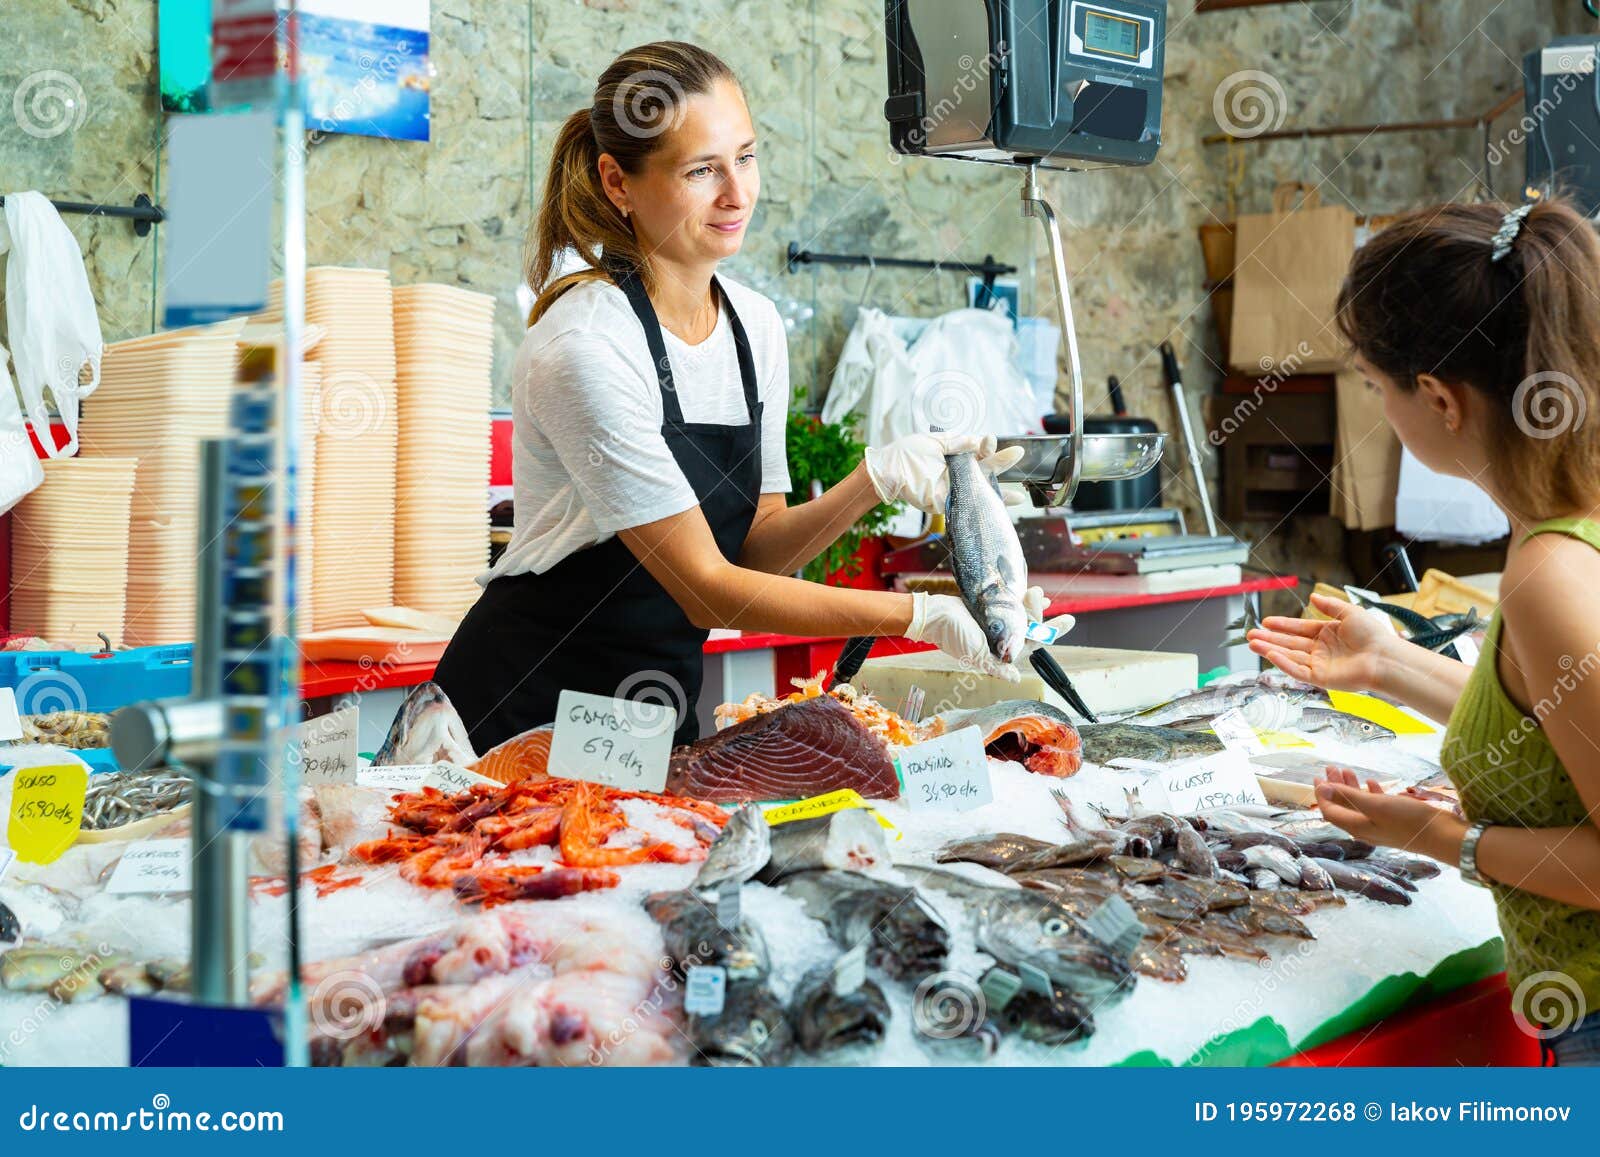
(1113, 35)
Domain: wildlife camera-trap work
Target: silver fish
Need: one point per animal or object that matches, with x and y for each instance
(1351, 877)
(740, 850)
(123, 797)
(986, 556)
(426, 729)
(1275, 860)
(1259, 696)
(1345, 727)
(851, 839)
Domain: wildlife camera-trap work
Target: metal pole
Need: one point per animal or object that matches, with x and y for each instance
(288, 692)
(219, 919)
(1034, 205)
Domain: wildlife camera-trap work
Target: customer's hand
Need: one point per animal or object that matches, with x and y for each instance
(944, 621)
(1344, 653)
(1379, 817)
(912, 469)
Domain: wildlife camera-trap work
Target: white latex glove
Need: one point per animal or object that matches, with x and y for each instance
(944, 621)
(912, 469)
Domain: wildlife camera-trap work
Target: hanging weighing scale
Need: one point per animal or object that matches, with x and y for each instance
(1055, 84)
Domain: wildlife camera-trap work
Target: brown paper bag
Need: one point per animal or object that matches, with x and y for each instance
(1291, 263)
(1366, 472)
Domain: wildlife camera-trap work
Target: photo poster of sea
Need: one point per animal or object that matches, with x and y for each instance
(363, 63)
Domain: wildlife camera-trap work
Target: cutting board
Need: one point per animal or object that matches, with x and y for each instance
(1109, 680)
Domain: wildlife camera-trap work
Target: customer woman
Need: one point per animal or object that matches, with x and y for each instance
(649, 408)
(1481, 328)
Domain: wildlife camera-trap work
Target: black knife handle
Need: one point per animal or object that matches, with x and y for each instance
(1169, 364)
(1119, 405)
(853, 654)
(1056, 679)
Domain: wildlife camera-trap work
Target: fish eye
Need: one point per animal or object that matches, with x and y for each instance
(758, 1030)
(1055, 926)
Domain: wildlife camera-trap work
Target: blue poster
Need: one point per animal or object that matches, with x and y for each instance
(364, 64)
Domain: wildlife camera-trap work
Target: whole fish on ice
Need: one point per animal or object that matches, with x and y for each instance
(426, 729)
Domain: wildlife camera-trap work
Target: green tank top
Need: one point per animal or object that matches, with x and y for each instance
(1502, 764)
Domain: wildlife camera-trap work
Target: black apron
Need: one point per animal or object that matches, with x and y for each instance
(597, 621)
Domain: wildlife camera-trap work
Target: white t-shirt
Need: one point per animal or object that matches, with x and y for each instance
(588, 458)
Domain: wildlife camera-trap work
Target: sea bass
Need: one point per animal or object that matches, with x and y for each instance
(986, 556)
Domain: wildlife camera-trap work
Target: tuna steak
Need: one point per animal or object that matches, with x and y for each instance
(807, 748)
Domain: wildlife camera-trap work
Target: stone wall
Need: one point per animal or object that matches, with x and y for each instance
(508, 71)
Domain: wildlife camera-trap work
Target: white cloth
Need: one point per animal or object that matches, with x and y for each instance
(50, 316)
(20, 471)
(960, 372)
(1442, 508)
(588, 458)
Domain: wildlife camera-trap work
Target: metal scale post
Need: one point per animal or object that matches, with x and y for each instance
(231, 733)
(1034, 205)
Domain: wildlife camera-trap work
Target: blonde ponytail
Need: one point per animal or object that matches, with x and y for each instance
(640, 97)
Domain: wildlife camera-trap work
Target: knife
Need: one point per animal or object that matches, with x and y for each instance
(1056, 679)
(851, 656)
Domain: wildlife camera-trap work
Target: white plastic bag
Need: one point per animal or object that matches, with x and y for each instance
(50, 316)
(20, 471)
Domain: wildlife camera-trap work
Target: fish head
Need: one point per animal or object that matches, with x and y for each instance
(751, 1031)
(1035, 928)
(1354, 729)
(1005, 626)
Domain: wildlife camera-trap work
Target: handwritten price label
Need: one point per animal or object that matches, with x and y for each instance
(617, 742)
(450, 779)
(394, 777)
(1236, 733)
(950, 773)
(327, 746)
(1220, 780)
(152, 866)
(46, 811)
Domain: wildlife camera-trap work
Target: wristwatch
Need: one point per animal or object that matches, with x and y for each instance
(1469, 855)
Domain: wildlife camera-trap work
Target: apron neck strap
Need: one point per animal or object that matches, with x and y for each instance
(632, 287)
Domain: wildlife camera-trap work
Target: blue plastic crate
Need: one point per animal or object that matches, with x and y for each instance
(79, 681)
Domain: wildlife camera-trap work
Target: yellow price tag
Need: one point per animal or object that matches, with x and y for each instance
(821, 805)
(1377, 711)
(46, 811)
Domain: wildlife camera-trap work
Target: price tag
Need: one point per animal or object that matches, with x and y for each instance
(1236, 733)
(46, 811)
(1467, 650)
(156, 866)
(617, 742)
(850, 970)
(705, 989)
(950, 773)
(7, 858)
(397, 777)
(1220, 780)
(826, 804)
(10, 721)
(327, 747)
(451, 780)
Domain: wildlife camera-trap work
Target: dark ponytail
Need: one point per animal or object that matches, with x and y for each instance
(1428, 296)
(639, 99)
